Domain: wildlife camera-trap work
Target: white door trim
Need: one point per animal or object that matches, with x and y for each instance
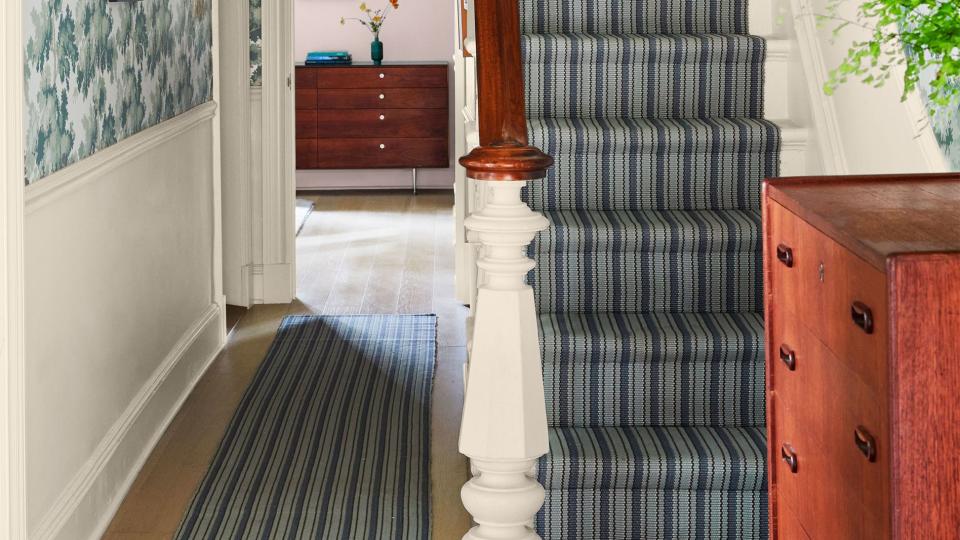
(12, 363)
(279, 179)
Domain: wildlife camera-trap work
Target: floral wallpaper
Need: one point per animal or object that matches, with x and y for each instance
(256, 45)
(945, 120)
(97, 72)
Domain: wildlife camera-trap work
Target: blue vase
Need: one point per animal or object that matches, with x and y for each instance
(376, 50)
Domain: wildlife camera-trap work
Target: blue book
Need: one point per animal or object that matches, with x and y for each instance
(332, 55)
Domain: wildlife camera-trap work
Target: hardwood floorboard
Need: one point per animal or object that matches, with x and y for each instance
(370, 252)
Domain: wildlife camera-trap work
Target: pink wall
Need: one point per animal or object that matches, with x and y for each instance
(419, 30)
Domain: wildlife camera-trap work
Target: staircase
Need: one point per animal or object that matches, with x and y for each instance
(648, 283)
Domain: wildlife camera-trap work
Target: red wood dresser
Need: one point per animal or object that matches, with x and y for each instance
(367, 117)
(862, 278)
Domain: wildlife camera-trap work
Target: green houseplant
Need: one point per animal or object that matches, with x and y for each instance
(921, 35)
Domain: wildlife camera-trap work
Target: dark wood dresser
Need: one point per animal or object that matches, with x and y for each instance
(862, 278)
(367, 117)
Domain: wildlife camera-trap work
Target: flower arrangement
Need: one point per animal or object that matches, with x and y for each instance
(373, 20)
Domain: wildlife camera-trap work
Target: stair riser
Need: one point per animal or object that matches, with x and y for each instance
(711, 459)
(647, 282)
(618, 17)
(586, 77)
(653, 515)
(674, 394)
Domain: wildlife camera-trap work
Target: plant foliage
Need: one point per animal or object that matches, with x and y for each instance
(921, 35)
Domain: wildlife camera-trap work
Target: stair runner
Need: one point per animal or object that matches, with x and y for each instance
(649, 281)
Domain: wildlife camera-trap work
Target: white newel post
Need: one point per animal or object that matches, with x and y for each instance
(504, 428)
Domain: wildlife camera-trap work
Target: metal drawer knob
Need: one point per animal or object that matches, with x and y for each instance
(382, 96)
(382, 117)
(382, 146)
(785, 255)
(789, 357)
(866, 443)
(862, 316)
(789, 456)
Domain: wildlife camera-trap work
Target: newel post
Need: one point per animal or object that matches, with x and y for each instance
(504, 428)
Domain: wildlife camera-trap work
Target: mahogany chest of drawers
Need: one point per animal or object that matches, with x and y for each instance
(862, 281)
(369, 117)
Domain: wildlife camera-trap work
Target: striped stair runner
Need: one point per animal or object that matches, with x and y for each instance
(649, 282)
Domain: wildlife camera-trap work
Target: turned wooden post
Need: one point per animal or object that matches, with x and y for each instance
(504, 428)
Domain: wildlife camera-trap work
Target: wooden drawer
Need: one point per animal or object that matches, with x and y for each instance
(819, 282)
(373, 98)
(379, 153)
(816, 495)
(306, 125)
(307, 154)
(789, 527)
(373, 77)
(306, 99)
(829, 401)
(381, 123)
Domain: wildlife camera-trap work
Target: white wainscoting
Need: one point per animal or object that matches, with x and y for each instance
(124, 314)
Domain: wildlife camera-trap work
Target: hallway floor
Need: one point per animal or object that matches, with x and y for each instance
(369, 252)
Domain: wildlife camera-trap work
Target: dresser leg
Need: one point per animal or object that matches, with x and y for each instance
(414, 180)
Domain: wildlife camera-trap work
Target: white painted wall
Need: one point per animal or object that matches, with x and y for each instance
(123, 314)
(860, 129)
(419, 30)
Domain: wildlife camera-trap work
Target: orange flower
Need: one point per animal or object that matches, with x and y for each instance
(395, 4)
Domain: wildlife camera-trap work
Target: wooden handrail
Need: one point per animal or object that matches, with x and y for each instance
(504, 152)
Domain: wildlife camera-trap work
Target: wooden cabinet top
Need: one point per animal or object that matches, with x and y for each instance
(438, 63)
(877, 217)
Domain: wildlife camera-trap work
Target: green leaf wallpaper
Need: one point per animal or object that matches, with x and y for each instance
(256, 63)
(96, 72)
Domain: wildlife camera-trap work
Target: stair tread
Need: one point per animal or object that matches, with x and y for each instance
(618, 338)
(704, 458)
(633, 17)
(643, 75)
(656, 231)
(636, 163)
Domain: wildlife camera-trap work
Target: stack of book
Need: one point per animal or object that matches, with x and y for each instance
(336, 58)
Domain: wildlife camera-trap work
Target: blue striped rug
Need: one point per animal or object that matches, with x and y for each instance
(331, 439)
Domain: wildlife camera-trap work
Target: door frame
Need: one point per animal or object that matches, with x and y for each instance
(12, 363)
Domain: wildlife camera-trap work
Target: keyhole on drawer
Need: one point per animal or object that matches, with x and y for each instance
(820, 271)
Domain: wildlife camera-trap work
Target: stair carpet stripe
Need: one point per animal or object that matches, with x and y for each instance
(643, 76)
(649, 281)
(633, 17)
(617, 164)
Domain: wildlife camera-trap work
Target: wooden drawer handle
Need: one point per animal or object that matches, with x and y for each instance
(866, 443)
(785, 255)
(862, 316)
(789, 357)
(789, 457)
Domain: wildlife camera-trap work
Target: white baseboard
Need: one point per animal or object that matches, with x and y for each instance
(84, 509)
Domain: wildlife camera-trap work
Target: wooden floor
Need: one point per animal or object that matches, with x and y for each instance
(371, 252)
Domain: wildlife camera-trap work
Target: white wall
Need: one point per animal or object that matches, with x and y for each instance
(123, 314)
(860, 129)
(419, 30)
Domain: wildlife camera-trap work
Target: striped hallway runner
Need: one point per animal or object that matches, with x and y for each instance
(331, 439)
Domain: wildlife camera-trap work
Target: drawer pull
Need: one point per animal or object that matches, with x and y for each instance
(382, 75)
(382, 146)
(382, 96)
(789, 357)
(862, 316)
(789, 457)
(785, 255)
(382, 117)
(866, 443)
